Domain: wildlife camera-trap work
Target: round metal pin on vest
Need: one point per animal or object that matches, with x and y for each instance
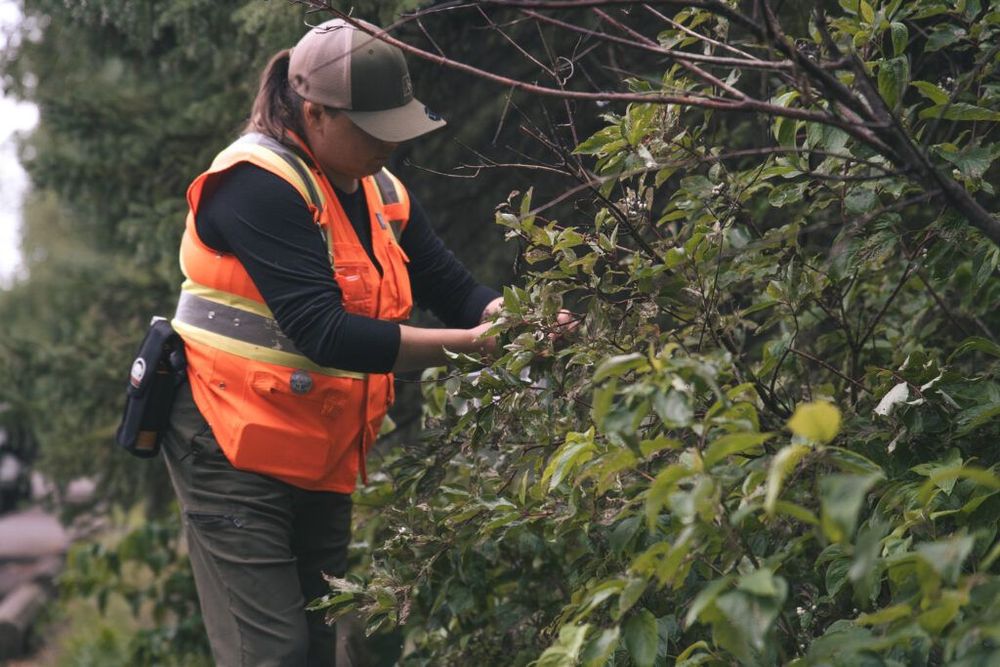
(301, 382)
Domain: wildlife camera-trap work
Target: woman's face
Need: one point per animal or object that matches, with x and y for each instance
(344, 151)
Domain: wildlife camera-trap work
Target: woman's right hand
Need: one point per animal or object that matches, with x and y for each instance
(486, 345)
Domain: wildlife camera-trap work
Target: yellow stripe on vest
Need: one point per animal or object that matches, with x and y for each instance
(226, 298)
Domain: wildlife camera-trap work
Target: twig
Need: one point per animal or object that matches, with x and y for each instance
(653, 47)
(838, 373)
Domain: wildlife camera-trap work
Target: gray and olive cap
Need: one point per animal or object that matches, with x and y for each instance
(341, 67)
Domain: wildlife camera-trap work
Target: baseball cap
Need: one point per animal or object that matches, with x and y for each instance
(339, 66)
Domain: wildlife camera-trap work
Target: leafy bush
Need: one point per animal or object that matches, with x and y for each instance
(770, 438)
(148, 571)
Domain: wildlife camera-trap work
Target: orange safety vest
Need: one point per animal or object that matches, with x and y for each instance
(272, 410)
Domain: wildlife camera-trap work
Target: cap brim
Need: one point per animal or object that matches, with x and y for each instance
(400, 124)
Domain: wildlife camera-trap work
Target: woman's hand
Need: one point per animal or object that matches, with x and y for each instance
(492, 309)
(566, 323)
(486, 345)
(420, 348)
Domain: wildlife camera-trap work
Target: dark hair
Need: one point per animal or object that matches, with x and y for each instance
(277, 107)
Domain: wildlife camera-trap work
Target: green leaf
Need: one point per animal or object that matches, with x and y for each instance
(566, 650)
(782, 465)
(976, 417)
(576, 450)
(853, 462)
(784, 128)
(733, 443)
(760, 582)
(979, 345)
(603, 399)
(660, 489)
(943, 612)
(980, 476)
(841, 497)
(960, 111)
(787, 193)
(757, 307)
(893, 77)
(932, 92)
(706, 596)
(624, 534)
(642, 638)
(750, 616)
(608, 468)
(946, 557)
(860, 201)
(672, 408)
(867, 12)
(620, 365)
(687, 653)
(865, 571)
(601, 648)
(900, 38)
(598, 595)
(818, 421)
(886, 615)
(659, 443)
(836, 575)
(603, 142)
(630, 595)
(850, 6)
(845, 644)
(944, 35)
(972, 162)
(796, 512)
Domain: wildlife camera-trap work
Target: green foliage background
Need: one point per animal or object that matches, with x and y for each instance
(771, 437)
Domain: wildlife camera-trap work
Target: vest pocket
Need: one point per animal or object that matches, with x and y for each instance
(357, 283)
(399, 306)
(286, 431)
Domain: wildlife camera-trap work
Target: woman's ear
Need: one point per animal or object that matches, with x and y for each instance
(312, 113)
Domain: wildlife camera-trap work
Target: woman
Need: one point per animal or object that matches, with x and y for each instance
(302, 255)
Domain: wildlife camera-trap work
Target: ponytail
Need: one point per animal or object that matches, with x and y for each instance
(277, 107)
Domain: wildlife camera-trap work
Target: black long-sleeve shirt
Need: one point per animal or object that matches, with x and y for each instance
(262, 220)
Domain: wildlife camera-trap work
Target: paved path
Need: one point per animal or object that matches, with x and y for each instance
(31, 533)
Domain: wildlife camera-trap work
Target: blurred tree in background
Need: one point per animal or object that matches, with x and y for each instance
(135, 99)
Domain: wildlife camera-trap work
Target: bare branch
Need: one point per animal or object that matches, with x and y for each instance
(687, 64)
(653, 47)
(815, 360)
(708, 40)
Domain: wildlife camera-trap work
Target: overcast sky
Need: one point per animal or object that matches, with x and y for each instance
(14, 117)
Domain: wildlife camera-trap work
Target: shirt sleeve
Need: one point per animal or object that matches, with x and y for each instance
(265, 223)
(440, 282)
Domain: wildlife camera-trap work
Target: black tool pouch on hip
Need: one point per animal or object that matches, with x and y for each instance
(158, 369)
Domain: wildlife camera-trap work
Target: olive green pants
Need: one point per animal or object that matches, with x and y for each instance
(259, 549)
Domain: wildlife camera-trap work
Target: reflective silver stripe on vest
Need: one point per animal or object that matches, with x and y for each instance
(232, 323)
(386, 188)
(293, 160)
